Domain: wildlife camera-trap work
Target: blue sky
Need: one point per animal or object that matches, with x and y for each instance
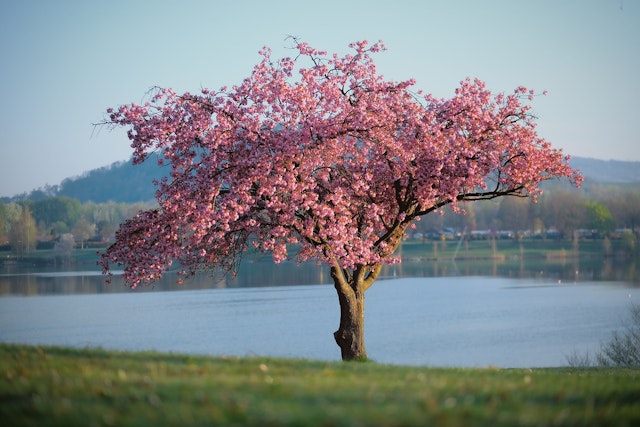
(65, 62)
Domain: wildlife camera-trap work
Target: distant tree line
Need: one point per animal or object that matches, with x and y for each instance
(595, 211)
(60, 222)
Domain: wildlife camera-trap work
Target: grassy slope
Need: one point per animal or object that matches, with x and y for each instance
(57, 386)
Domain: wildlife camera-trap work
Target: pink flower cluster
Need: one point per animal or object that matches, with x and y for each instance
(323, 153)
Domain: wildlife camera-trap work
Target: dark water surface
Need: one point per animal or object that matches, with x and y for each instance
(535, 318)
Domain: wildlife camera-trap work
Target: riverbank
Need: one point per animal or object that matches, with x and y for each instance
(497, 249)
(65, 387)
(411, 250)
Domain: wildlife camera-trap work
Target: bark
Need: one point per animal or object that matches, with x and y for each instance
(351, 287)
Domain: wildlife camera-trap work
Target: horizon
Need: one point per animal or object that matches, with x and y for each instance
(66, 62)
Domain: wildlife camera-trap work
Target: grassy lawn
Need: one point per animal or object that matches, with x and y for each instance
(45, 386)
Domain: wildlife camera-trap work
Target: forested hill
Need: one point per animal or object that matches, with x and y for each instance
(122, 182)
(119, 182)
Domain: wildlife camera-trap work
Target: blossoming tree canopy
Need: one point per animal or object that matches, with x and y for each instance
(321, 153)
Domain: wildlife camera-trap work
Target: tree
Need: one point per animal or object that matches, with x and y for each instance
(105, 230)
(65, 244)
(624, 206)
(599, 217)
(514, 214)
(4, 223)
(24, 234)
(321, 153)
(83, 230)
(56, 209)
(565, 210)
(10, 213)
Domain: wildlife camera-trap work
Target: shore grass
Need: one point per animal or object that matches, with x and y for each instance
(510, 248)
(49, 386)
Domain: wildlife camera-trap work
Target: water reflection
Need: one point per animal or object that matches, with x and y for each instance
(562, 269)
(14, 281)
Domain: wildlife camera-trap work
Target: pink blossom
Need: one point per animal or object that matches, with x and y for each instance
(332, 158)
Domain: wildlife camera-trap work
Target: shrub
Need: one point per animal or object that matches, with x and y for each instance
(622, 350)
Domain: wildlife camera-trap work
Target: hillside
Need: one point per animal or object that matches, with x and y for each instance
(119, 182)
(125, 183)
(608, 171)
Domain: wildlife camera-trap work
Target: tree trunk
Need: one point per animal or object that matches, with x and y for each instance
(351, 284)
(350, 334)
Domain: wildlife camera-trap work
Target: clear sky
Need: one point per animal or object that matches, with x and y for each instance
(63, 63)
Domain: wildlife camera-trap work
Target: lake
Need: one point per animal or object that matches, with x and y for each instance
(413, 317)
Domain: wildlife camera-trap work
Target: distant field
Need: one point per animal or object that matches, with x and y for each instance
(478, 249)
(64, 387)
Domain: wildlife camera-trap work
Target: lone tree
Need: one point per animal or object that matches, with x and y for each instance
(322, 154)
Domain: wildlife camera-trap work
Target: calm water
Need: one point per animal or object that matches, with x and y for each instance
(536, 320)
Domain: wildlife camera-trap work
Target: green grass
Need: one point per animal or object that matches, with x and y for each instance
(531, 249)
(45, 386)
